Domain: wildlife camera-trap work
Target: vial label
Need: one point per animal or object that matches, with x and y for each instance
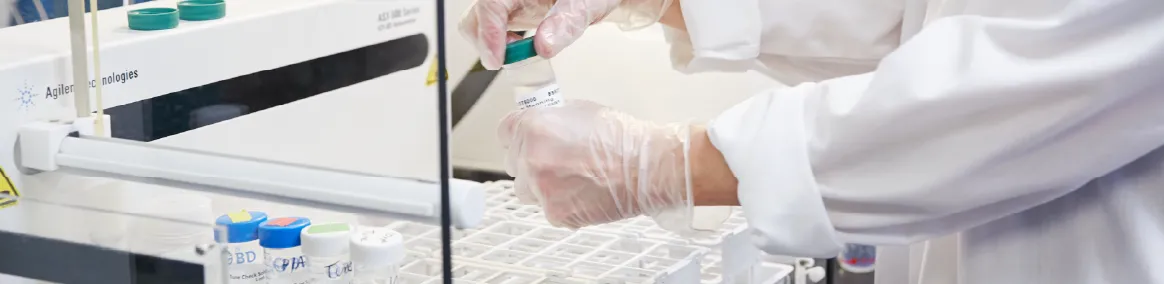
(241, 256)
(384, 275)
(339, 269)
(333, 272)
(547, 96)
(248, 275)
(244, 267)
(287, 270)
(287, 264)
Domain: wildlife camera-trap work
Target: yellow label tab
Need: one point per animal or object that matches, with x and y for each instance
(7, 190)
(432, 73)
(241, 216)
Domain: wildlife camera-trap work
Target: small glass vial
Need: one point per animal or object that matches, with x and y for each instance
(282, 255)
(328, 254)
(241, 236)
(376, 255)
(533, 76)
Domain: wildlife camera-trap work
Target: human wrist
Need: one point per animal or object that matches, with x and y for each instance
(665, 166)
(673, 16)
(712, 181)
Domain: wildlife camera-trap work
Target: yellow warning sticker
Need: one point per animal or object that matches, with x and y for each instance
(7, 190)
(432, 74)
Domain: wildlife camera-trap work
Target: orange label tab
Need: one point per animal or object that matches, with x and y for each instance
(282, 222)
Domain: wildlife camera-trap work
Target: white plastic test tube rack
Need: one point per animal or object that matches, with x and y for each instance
(518, 252)
(731, 258)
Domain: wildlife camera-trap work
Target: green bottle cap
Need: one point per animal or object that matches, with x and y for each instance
(328, 228)
(153, 19)
(520, 50)
(201, 10)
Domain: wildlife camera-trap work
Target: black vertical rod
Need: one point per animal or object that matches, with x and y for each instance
(831, 271)
(445, 128)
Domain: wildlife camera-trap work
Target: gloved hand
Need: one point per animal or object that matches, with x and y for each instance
(559, 22)
(587, 164)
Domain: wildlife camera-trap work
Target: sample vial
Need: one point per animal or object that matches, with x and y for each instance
(282, 255)
(376, 255)
(241, 236)
(533, 75)
(327, 251)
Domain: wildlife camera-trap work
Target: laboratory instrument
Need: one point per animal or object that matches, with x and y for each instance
(245, 43)
(257, 41)
(244, 254)
(376, 255)
(328, 252)
(282, 254)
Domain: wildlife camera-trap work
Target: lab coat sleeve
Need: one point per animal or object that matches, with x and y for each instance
(728, 34)
(785, 39)
(974, 119)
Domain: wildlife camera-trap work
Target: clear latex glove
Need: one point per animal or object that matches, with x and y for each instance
(559, 22)
(587, 164)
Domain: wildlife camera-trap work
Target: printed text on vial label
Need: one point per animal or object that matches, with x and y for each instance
(545, 97)
(257, 276)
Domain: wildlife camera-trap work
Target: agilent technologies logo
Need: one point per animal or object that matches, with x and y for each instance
(25, 96)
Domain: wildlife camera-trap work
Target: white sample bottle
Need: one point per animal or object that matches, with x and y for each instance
(533, 76)
(282, 254)
(240, 232)
(376, 255)
(328, 254)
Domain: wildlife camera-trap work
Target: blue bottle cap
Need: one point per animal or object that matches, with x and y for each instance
(241, 227)
(282, 232)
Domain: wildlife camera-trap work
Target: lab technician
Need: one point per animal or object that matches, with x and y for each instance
(1035, 128)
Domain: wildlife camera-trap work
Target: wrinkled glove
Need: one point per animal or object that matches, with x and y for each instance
(587, 164)
(559, 23)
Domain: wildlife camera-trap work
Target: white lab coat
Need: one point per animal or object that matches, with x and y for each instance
(1034, 128)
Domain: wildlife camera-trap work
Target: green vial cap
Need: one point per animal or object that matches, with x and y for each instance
(520, 50)
(153, 19)
(201, 10)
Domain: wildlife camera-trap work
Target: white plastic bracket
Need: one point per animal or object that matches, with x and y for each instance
(40, 142)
